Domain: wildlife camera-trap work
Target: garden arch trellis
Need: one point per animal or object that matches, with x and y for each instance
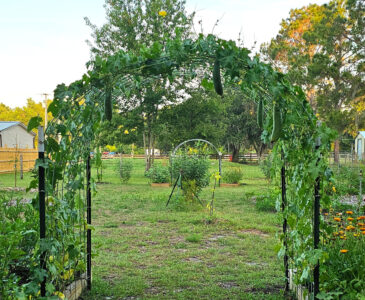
(198, 140)
(78, 110)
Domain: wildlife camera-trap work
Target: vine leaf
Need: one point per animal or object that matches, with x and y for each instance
(34, 123)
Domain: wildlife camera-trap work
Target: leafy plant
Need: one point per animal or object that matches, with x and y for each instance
(194, 174)
(266, 203)
(232, 175)
(158, 174)
(124, 170)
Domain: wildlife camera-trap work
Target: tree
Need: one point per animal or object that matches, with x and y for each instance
(201, 116)
(135, 26)
(321, 49)
(242, 129)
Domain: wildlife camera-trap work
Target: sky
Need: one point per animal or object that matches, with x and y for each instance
(43, 42)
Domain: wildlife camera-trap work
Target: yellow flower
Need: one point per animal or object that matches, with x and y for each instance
(60, 295)
(349, 212)
(342, 237)
(326, 214)
(344, 250)
(350, 219)
(335, 233)
(126, 131)
(162, 13)
(341, 232)
(240, 82)
(334, 189)
(356, 234)
(51, 258)
(350, 227)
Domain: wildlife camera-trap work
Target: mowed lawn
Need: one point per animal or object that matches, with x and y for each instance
(147, 251)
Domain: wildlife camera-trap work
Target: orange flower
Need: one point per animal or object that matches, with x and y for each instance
(349, 212)
(361, 218)
(360, 224)
(344, 250)
(350, 227)
(337, 219)
(350, 219)
(362, 228)
(363, 232)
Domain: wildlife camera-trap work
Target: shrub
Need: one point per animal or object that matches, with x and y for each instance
(158, 174)
(232, 175)
(124, 169)
(194, 171)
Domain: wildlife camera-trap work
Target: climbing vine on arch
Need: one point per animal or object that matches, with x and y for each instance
(286, 117)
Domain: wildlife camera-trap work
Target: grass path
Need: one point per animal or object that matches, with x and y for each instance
(148, 251)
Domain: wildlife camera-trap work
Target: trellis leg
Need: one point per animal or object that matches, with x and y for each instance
(42, 205)
(88, 237)
(285, 223)
(316, 224)
(220, 169)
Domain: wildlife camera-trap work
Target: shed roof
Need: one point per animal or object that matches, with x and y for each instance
(362, 133)
(7, 124)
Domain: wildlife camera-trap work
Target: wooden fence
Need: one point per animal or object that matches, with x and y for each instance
(13, 159)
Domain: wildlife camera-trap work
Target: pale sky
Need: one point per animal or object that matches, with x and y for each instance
(43, 41)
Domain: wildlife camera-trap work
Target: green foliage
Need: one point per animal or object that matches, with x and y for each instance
(124, 169)
(341, 272)
(266, 203)
(266, 166)
(232, 175)
(18, 241)
(158, 174)
(346, 180)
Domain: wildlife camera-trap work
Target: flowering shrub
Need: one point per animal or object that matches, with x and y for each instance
(343, 274)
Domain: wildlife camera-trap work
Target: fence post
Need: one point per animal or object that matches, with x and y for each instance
(42, 204)
(285, 224)
(316, 224)
(88, 242)
(21, 166)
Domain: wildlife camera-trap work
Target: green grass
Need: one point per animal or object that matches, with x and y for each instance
(146, 250)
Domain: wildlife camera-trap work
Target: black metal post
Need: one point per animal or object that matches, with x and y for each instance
(316, 224)
(42, 205)
(88, 237)
(285, 223)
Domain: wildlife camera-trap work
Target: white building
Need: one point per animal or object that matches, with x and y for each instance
(15, 135)
(360, 145)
